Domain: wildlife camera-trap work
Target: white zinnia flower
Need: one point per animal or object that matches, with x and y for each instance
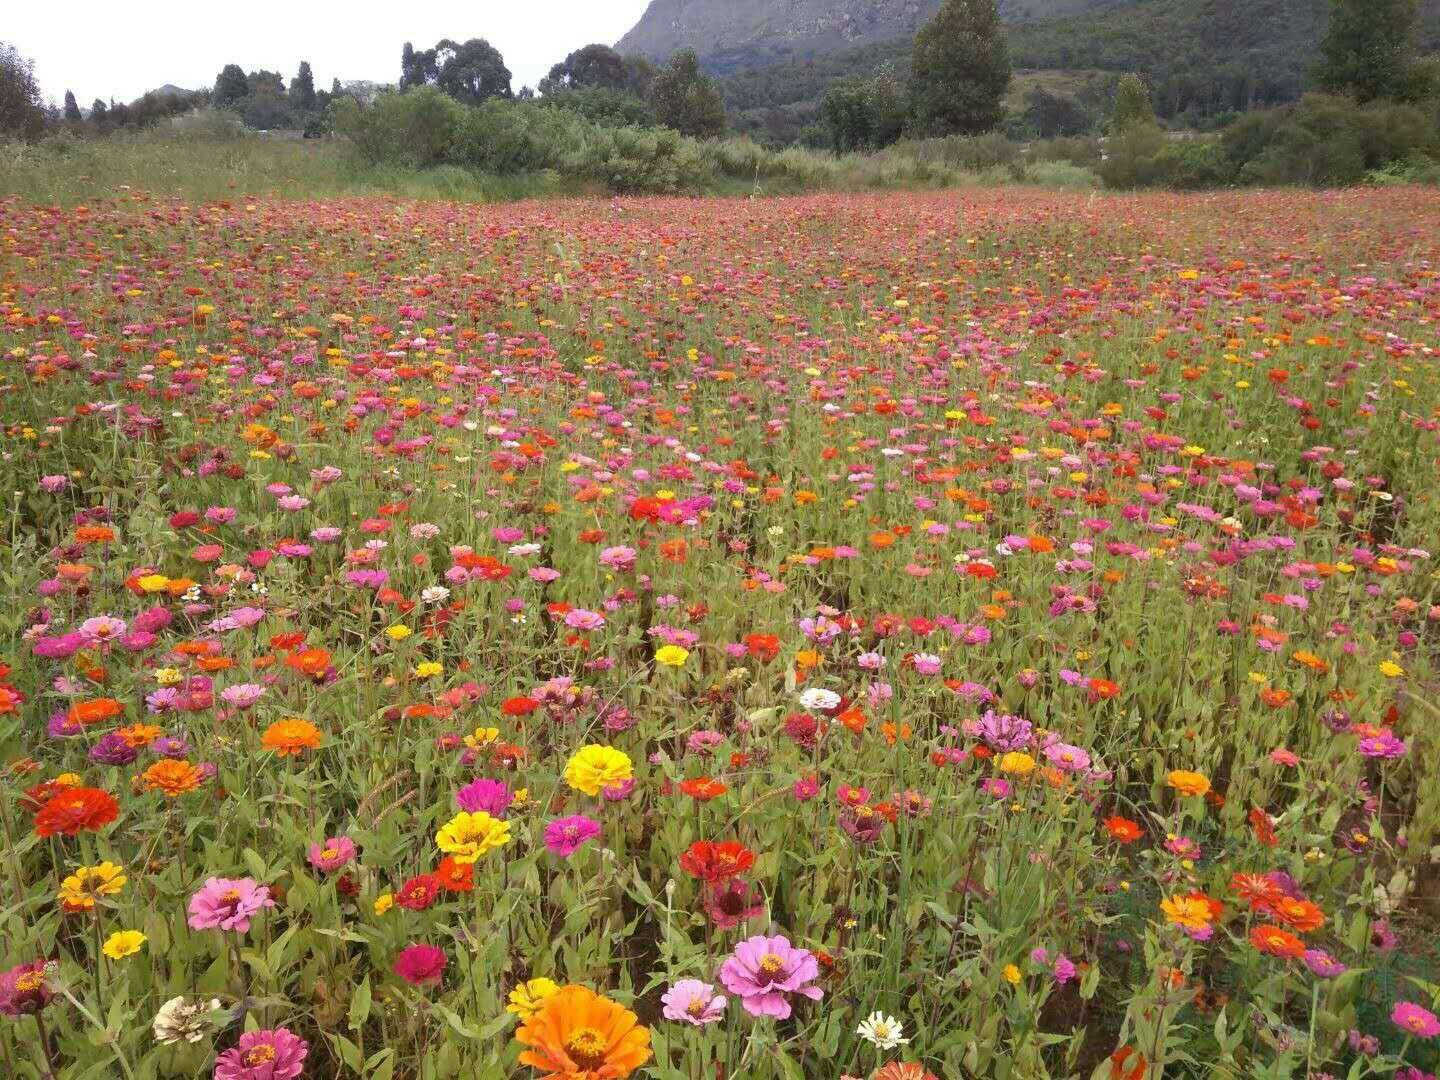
(816, 698)
(179, 1019)
(881, 1031)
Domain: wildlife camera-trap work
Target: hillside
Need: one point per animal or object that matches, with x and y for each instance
(1201, 57)
(733, 34)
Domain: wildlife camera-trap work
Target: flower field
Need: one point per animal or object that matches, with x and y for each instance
(972, 634)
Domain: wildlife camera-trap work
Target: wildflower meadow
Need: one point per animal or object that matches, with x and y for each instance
(924, 635)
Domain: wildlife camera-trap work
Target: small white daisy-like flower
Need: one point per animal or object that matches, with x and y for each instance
(434, 594)
(816, 698)
(881, 1031)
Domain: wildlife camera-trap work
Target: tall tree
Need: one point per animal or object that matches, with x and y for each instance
(72, 108)
(99, 114)
(471, 72)
(1367, 50)
(587, 68)
(230, 86)
(302, 88)
(1132, 106)
(960, 71)
(20, 111)
(686, 100)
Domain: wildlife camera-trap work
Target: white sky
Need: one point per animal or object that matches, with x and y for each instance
(108, 48)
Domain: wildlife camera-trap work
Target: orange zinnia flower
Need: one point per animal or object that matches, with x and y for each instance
(86, 713)
(579, 1035)
(1300, 915)
(1123, 829)
(311, 662)
(1277, 942)
(172, 778)
(291, 736)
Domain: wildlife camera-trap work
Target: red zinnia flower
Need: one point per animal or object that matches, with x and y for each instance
(714, 863)
(76, 810)
(418, 893)
(453, 877)
(703, 788)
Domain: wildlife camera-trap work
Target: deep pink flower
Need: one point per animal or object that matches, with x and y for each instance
(421, 965)
(563, 836)
(274, 1054)
(332, 854)
(765, 971)
(1415, 1020)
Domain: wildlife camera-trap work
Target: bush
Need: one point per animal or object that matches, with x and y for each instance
(417, 128)
(1193, 165)
(1129, 160)
(603, 105)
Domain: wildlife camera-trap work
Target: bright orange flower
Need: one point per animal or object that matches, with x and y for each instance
(1123, 829)
(172, 778)
(75, 810)
(291, 736)
(579, 1035)
(1277, 942)
(90, 712)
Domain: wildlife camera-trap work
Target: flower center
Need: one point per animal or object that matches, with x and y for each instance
(258, 1055)
(30, 982)
(231, 897)
(586, 1048)
(772, 968)
(330, 853)
(696, 1007)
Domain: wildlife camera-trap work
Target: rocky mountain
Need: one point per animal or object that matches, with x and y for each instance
(738, 33)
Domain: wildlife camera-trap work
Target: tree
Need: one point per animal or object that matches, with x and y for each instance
(960, 70)
(230, 86)
(1053, 115)
(302, 88)
(417, 68)
(594, 66)
(686, 100)
(72, 108)
(471, 72)
(1132, 106)
(99, 114)
(1367, 49)
(20, 111)
(863, 114)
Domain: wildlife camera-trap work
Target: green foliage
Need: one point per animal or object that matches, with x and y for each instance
(686, 100)
(599, 67)
(302, 88)
(1054, 115)
(1130, 157)
(1367, 49)
(231, 86)
(72, 108)
(960, 70)
(864, 113)
(416, 128)
(1132, 106)
(612, 108)
(471, 72)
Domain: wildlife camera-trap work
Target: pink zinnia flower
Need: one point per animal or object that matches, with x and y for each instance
(691, 1001)
(765, 971)
(1415, 1020)
(563, 836)
(420, 965)
(228, 904)
(275, 1054)
(332, 854)
(491, 796)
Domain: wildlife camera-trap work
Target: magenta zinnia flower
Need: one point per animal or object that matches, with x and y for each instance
(733, 903)
(491, 796)
(765, 971)
(1415, 1020)
(275, 1054)
(691, 1001)
(228, 904)
(23, 990)
(563, 836)
(420, 965)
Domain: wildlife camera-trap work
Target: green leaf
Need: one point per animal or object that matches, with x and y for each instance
(360, 1005)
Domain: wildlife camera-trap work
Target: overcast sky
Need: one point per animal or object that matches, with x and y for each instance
(105, 49)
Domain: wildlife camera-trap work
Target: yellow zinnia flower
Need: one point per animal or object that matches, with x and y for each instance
(79, 890)
(594, 767)
(671, 655)
(525, 999)
(466, 836)
(123, 943)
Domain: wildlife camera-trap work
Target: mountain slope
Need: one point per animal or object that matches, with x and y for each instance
(733, 33)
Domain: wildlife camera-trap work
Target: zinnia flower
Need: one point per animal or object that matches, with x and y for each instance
(123, 943)
(420, 965)
(691, 1001)
(595, 767)
(579, 1035)
(765, 971)
(76, 810)
(180, 1020)
(564, 836)
(227, 904)
(466, 837)
(287, 737)
(23, 991)
(881, 1031)
(525, 1000)
(272, 1054)
(1415, 1020)
(333, 854)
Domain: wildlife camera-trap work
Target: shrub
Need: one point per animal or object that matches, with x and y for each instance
(1129, 160)
(416, 128)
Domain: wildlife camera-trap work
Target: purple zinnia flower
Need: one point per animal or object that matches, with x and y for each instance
(112, 749)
